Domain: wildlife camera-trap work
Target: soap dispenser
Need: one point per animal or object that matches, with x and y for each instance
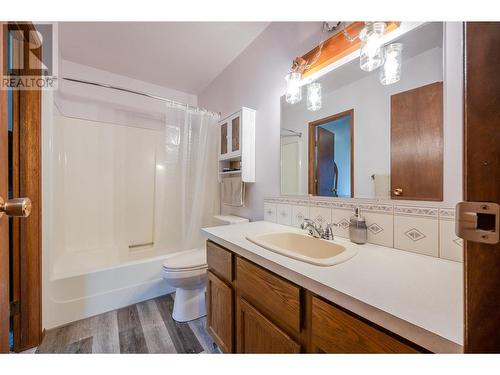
(357, 228)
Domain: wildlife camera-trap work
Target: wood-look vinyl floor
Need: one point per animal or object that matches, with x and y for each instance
(146, 327)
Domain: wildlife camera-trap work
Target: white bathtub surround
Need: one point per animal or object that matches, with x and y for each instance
(417, 297)
(427, 230)
(122, 190)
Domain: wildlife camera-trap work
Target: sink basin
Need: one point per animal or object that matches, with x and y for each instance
(305, 248)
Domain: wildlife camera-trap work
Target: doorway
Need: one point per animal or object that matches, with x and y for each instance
(331, 155)
(20, 190)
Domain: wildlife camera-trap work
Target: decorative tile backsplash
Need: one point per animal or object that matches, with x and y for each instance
(424, 230)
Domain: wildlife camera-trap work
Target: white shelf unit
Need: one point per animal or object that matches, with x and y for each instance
(237, 144)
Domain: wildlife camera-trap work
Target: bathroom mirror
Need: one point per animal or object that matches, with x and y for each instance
(343, 149)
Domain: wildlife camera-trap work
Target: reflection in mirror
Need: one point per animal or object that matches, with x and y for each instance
(334, 160)
(330, 153)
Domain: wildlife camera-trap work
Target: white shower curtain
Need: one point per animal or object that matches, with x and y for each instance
(190, 175)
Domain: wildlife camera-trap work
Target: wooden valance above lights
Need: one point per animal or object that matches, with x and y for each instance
(334, 48)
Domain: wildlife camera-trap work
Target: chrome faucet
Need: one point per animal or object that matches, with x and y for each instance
(317, 231)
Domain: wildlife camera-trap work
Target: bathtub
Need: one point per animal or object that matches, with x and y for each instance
(79, 288)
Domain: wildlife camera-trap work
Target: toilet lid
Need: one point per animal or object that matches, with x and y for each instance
(186, 260)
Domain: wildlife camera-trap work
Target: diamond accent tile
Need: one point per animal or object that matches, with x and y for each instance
(375, 228)
(344, 224)
(459, 241)
(414, 235)
(299, 216)
(320, 219)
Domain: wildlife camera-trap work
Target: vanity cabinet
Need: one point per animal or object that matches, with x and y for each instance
(220, 312)
(335, 331)
(253, 310)
(220, 296)
(257, 334)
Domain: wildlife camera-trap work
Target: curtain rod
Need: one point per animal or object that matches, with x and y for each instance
(118, 88)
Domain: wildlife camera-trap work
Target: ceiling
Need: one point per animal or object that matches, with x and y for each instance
(184, 56)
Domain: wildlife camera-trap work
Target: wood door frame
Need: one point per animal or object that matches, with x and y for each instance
(4, 221)
(481, 170)
(26, 232)
(311, 165)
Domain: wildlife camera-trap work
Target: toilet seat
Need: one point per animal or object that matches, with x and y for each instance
(191, 260)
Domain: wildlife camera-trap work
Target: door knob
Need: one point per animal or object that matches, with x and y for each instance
(398, 192)
(17, 207)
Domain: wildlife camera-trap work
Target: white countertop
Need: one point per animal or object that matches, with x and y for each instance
(422, 290)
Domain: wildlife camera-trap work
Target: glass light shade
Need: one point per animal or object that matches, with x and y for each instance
(371, 56)
(293, 89)
(391, 71)
(314, 96)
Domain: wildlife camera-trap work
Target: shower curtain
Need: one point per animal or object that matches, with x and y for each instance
(190, 176)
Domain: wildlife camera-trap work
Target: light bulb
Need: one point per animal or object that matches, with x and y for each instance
(371, 56)
(391, 71)
(314, 96)
(293, 89)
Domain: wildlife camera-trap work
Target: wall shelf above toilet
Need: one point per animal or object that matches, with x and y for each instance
(237, 145)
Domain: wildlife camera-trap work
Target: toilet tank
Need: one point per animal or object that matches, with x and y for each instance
(229, 219)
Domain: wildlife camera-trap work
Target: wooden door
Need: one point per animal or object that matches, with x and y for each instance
(4, 221)
(321, 154)
(482, 182)
(257, 334)
(325, 141)
(25, 165)
(417, 143)
(220, 312)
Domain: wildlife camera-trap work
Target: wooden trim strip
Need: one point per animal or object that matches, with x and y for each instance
(337, 47)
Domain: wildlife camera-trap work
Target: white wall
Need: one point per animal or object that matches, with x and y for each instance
(255, 79)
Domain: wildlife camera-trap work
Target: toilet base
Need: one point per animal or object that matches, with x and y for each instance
(189, 304)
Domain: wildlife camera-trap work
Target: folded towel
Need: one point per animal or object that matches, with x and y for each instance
(382, 186)
(233, 191)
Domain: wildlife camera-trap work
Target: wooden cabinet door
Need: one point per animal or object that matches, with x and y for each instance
(335, 331)
(220, 312)
(417, 143)
(257, 334)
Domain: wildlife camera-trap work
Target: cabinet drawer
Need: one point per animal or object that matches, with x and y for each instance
(334, 331)
(220, 261)
(274, 296)
(257, 334)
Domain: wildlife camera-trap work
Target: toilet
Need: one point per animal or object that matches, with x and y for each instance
(186, 271)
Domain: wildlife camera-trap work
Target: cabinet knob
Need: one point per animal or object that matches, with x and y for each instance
(398, 192)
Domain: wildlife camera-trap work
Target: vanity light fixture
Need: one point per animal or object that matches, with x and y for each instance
(371, 56)
(314, 96)
(391, 70)
(293, 89)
